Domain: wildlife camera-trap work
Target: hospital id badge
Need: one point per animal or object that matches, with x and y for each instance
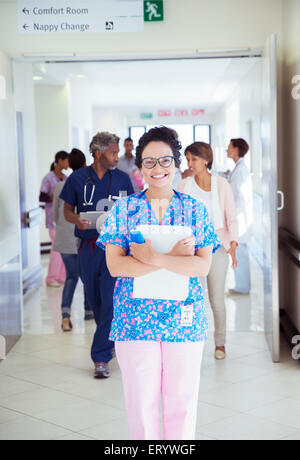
(187, 315)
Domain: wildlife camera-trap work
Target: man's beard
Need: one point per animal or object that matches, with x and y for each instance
(107, 166)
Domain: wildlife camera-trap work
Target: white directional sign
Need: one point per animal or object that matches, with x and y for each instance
(80, 16)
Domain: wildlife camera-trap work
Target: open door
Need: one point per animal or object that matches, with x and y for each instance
(270, 196)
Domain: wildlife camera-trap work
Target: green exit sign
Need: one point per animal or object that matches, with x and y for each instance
(146, 116)
(153, 10)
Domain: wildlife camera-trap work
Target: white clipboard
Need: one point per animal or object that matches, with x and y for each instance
(162, 284)
(92, 216)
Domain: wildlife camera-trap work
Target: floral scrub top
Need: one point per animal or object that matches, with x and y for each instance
(48, 186)
(149, 319)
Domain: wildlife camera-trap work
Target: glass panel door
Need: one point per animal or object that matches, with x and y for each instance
(269, 192)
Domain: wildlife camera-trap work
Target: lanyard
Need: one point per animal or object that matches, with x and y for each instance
(172, 211)
(131, 214)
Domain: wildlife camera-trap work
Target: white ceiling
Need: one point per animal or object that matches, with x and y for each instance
(205, 83)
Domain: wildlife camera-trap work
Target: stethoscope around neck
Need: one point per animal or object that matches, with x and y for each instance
(87, 182)
(91, 182)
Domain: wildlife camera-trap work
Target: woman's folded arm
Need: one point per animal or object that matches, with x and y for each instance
(145, 260)
(191, 266)
(121, 265)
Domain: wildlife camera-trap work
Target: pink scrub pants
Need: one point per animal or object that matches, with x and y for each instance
(56, 271)
(166, 372)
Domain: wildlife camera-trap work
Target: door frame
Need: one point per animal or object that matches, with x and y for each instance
(132, 57)
(271, 272)
(193, 55)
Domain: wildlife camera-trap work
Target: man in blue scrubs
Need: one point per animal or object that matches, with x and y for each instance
(82, 192)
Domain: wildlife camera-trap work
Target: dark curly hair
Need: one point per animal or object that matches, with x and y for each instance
(159, 134)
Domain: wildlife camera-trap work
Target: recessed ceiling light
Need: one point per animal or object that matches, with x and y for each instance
(80, 75)
(37, 78)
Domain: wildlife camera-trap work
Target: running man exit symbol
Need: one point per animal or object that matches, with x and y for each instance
(109, 25)
(153, 10)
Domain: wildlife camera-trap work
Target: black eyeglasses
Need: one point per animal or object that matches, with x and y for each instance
(164, 162)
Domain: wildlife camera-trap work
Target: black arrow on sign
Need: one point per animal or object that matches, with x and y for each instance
(25, 11)
(25, 27)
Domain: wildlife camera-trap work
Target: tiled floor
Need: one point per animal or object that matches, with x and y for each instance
(47, 390)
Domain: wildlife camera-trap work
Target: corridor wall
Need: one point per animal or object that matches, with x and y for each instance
(188, 26)
(28, 171)
(52, 131)
(10, 248)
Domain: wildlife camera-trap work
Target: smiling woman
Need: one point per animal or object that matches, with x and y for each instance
(163, 336)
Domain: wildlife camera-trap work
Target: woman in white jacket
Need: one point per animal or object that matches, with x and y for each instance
(241, 183)
(217, 195)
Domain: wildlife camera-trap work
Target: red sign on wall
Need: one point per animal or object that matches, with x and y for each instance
(164, 113)
(196, 112)
(180, 113)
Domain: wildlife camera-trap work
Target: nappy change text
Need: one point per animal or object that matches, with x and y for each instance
(63, 27)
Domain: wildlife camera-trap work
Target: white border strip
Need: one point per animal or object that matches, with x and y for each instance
(195, 54)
